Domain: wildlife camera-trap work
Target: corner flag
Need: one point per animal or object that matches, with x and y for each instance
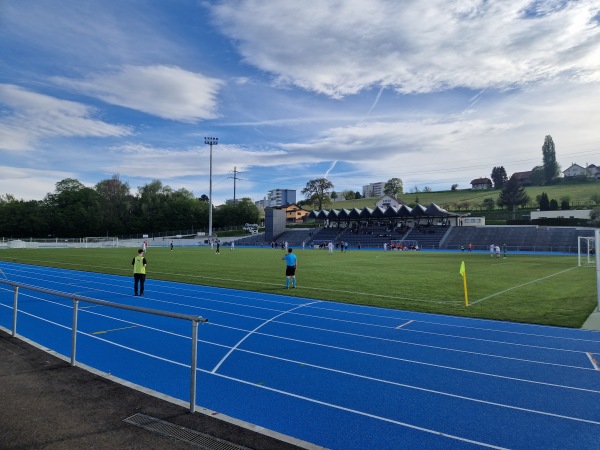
(463, 273)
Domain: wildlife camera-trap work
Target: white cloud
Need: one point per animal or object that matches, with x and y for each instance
(30, 184)
(163, 91)
(341, 47)
(139, 160)
(30, 117)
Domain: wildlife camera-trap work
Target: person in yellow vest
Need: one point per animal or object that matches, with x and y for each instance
(139, 272)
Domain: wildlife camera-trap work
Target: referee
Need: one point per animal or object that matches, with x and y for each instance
(290, 269)
(139, 272)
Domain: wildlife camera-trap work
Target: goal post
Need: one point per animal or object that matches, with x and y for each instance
(597, 251)
(586, 251)
(94, 242)
(588, 254)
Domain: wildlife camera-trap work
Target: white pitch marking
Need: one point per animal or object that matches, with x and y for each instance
(253, 331)
(520, 285)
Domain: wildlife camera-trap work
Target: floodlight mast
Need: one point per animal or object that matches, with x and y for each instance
(210, 141)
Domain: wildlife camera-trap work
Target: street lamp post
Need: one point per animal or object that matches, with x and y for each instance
(210, 141)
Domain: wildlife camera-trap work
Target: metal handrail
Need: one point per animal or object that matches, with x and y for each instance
(78, 298)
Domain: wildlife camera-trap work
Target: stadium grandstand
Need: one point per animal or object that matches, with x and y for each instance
(432, 227)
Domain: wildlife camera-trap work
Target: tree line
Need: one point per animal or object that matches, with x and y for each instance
(110, 209)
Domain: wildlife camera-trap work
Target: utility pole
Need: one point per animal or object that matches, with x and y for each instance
(235, 172)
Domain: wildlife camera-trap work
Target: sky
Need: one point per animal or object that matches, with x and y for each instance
(433, 92)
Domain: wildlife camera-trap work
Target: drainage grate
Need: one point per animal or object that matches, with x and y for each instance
(202, 440)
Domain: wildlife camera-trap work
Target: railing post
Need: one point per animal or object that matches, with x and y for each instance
(194, 364)
(74, 332)
(15, 305)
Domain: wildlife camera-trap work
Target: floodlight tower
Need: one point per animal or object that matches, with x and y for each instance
(210, 141)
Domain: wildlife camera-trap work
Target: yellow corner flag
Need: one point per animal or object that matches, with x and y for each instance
(463, 272)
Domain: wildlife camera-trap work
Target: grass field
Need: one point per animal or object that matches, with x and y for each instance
(538, 289)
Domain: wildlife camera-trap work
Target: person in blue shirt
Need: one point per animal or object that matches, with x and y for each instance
(290, 269)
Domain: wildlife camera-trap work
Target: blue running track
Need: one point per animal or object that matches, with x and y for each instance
(337, 375)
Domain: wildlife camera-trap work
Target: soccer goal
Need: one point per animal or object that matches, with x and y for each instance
(586, 251)
(404, 244)
(91, 242)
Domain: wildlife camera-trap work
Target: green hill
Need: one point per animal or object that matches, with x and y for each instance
(578, 193)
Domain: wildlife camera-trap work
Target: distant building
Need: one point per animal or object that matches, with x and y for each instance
(373, 189)
(523, 177)
(294, 213)
(481, 183)
(575, 170)
(561, 214)
(280, 197)
(388, 200)
(261, 203)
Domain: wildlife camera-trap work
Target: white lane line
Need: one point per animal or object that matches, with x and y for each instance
(404, 324)
(114, 329)
(337, 311)
(521, 285)
(360, 413)
(344, 408)
(430, 391)
(424, 316)
(253, 331)
(396, 340)
(593, 360)
(416, 344)
(423, 363)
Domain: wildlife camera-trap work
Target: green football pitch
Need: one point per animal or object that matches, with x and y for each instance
(540, 289)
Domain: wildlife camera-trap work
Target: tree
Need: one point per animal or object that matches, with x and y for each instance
(551, 168)
(426, 189)
(204, 198)
(565, 202)
(348, 195)
(553, 205)
(454, 187)
(357, 195)
(334, 196)
(488, 203)
(595, 198)
(543, 201)
(115, 202)
(513, 195)
(499, 177)
(393, 187)
(537, 177)
(317, 191)
(238, 213)
(73, 209)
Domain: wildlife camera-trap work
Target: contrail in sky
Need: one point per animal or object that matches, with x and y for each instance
(330, 169)
(373, 105)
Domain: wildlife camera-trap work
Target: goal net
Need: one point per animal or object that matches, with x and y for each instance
(92, 242)
(586, 251)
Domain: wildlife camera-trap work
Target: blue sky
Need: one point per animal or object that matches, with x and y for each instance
(433, 92)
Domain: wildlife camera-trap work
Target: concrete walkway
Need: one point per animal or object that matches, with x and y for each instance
(46, 403)
(592, 322)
